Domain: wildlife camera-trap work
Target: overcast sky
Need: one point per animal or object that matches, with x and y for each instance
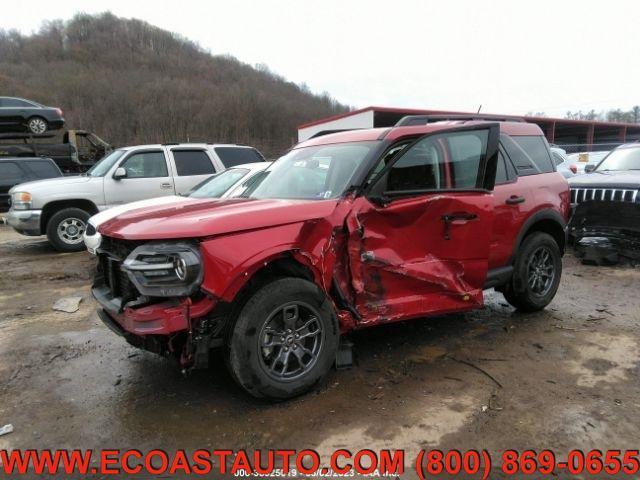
(511, 56)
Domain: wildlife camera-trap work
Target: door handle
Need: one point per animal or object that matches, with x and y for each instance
(514, 200)
(165, 185)
(449, 218)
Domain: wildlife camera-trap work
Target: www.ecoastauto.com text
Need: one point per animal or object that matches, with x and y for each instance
(304, 463)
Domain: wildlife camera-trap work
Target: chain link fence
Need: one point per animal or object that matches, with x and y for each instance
(587, 147)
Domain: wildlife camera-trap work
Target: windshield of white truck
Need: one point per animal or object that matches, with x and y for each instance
(101, 168)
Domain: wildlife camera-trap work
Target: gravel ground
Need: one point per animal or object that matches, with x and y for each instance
(563, 378)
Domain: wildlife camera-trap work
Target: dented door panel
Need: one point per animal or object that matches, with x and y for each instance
(402, 265)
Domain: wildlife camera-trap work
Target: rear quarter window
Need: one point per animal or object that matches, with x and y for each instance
(192, 162)
(234, 156)
(521, 160)
(505, 172)
(536, 147)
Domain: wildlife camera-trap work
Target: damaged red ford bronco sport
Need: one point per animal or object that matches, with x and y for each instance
(346, 231)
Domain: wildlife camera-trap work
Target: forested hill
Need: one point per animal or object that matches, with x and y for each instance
(132, 83)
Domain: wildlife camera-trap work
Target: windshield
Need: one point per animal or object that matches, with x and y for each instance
(324, 171)
(215, 186)
(101, 168)
(621, 159)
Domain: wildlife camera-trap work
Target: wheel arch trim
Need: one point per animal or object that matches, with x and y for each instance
(546, 217)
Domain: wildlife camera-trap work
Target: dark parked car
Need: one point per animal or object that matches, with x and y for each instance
(19, 170)
(18, 114)
(606, 220)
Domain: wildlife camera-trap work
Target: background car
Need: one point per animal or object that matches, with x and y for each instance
(14, 170)
(606, 215)
(60, 207)
(582, 159)
(20, 113)
(233, 182)
(564, 164)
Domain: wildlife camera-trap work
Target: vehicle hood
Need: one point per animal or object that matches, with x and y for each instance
(99, 218)
(206, 217)
(629, 179)
(52, 183)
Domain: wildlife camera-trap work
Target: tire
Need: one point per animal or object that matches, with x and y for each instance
(65, 229)
(256, 353)
(37, 125)
(531, 289)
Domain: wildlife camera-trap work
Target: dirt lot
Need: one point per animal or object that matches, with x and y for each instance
(564, 378)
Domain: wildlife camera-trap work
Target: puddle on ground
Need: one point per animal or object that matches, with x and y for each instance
(422, 427)
(604, 358)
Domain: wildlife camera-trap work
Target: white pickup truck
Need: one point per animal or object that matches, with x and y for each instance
(60, 207)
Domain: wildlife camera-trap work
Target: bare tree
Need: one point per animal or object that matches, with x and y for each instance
(132, 83)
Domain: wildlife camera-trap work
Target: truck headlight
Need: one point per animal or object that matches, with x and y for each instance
(165, 269)
(21, 200)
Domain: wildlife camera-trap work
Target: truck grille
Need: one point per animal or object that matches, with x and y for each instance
(111, 256)
(579, 195)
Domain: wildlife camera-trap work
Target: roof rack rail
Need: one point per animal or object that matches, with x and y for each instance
(414, 120)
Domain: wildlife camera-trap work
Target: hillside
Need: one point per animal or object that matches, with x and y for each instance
(131, 82)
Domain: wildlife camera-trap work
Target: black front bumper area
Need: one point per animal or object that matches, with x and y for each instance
(606, 232)
(151, 343)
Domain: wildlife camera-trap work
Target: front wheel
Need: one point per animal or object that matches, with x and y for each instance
(37, 125)
(284, 340)
(65, 229)
(536, 275)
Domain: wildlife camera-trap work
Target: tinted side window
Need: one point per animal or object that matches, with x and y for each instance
(192, 162)
(446, 161)
(523, 163)
(146, 165)
(536, 148)
(14, 102)
(233, 156)
(10, 174)
(42, 169)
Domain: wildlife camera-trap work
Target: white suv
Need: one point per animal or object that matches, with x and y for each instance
(60, 207)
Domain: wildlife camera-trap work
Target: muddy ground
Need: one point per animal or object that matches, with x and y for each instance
(565, 378)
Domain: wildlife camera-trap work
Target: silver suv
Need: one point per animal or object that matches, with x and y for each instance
(60, 207)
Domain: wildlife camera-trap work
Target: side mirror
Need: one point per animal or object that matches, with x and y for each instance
(120, 173)
(589, 168)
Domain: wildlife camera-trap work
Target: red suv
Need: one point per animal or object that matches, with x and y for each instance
(346, 231)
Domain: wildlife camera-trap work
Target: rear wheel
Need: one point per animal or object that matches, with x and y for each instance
(65, 229)
(284, 340)
(37, 125)
(536, 275)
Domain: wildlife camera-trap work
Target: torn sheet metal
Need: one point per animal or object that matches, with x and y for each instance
(606, 232)
(402, 265)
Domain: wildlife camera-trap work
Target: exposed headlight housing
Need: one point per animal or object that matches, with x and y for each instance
(21, 200)
(165, 269)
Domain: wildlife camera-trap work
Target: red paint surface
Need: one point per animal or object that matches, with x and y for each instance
(213, 217)
(547, 191)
